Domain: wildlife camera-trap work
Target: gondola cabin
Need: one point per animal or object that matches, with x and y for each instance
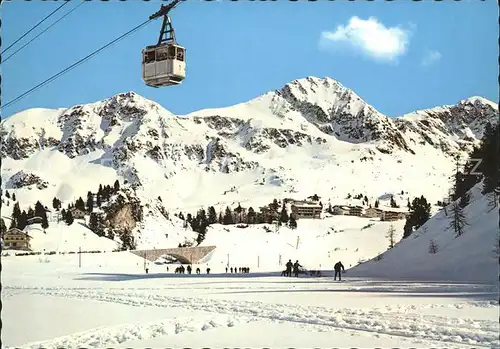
(163, 65)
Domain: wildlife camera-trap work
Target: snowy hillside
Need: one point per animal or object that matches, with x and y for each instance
(310, 136)
(468, 257)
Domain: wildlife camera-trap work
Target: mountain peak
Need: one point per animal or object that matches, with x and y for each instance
(478, 100)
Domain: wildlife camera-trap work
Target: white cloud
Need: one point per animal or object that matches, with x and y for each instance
(370, 37)
(430, 57)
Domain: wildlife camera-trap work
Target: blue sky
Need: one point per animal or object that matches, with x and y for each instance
(398, 56)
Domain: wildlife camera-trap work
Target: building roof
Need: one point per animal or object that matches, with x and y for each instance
(17, 231)
(305, 204)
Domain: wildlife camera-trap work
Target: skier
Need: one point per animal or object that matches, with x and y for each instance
(189, 269)
(289, 266)
(337, 268)
(296, 266)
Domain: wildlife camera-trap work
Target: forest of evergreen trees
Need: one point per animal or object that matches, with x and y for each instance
(275, 211)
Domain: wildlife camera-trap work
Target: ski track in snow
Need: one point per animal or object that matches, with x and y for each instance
(394, 320)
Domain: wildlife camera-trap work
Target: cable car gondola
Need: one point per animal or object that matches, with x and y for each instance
(164, 64)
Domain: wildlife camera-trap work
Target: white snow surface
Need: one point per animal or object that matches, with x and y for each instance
(110, 302)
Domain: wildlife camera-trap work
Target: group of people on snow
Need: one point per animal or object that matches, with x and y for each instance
(291, 267)
(238, 270)
(295, 269)
(189, 269)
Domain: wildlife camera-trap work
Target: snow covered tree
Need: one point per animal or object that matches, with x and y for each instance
(433, 247)
(457, 219)
(292, 223)
(284, 215)
(221, 219)
(7, 194)
(376, 203)
(228, 216)
(116, 185)
(14, 197)
(329, 209)
(98, 200)
(391, 235)
(159, 198)
(212, 215)
(181, 216)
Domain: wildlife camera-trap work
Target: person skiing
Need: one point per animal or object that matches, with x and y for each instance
(337, 268)
(296, 266)
(289, 266)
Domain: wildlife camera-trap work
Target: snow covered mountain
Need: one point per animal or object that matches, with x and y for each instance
(311, 136)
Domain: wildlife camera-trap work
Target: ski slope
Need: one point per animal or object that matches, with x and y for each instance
(469, 257)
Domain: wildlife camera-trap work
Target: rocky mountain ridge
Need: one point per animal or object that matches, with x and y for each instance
(311, 130)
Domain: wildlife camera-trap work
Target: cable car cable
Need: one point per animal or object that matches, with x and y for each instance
(74, 64)
(43, 31)
(29, 31)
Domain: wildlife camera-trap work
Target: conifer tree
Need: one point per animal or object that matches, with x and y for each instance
(433, 247)
(23, 220)
(284, 215)
(69, 218)
(31, 212)
(458, 221)
(420, 212)
(228, 216)
(7, 194)
(90, 202)
(3, 227)
(212, 215)
(238, 210)
(391, 235)
(14, 197)
(16, 214)
(116, 185)
(251, 216)
(292, 223)
(80, 204)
